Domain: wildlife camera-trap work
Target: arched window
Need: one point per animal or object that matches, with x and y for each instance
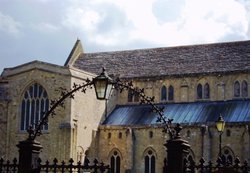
(227, 155)
(244, 89)
(237, 89)
(35, 102)
(130, 95)
(190, 157)
(115, 163)
(199, 91)
(170, 93)
(206, 91)
(151, 134)
(120, 135)
(188, 134)
(163, 93)
(136, 96)
(228, 133)
(149, 161)
(133, 96)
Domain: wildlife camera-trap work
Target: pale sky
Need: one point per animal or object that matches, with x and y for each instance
(46, 30)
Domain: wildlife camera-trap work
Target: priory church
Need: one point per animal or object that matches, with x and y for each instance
(195, 84)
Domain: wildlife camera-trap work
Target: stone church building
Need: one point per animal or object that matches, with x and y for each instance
(195, 84)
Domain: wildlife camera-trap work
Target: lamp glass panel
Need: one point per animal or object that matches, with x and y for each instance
(100, 87)
(109, 88)
(220, 126)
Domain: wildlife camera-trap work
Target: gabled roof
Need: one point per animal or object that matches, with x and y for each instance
(183, 60)
(35, 65)
(75, 52)
(235, 111)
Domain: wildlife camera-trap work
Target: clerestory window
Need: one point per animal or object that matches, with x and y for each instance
(163, 93)
(237, 89)
(34, 103)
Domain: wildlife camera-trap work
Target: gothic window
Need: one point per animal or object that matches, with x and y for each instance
(120, 135)
(136, 96)
(149, 161)
(115, 162)
(35, 102)
(237, 89)
(228, 133)
(163, 93)
(151, 134)
(206, 91)
(133, 96)
(109, 135)
(188, 134)
(199, 91)
(227, 155)
(130, 95)
(244, 88)
(170, 93)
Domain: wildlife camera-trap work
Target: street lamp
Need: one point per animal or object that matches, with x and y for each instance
(102, 85)
(220, 125)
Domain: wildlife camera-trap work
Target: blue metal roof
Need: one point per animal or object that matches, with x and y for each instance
(188, 113)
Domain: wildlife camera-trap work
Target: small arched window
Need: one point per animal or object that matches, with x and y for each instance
(170, 93)
(35, 102)
(163, 93)
(199, 91)
(109, 135)
(206, 91)
(237, 89)
(130, 95)
(136, 96)
(244, 89)
(188, 134)
(120, 135)
(149, 161)
(115, 163)
(151, 134)
(228, 133)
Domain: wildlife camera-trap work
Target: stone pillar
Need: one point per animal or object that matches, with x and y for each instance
(177, 150)
(29, 151)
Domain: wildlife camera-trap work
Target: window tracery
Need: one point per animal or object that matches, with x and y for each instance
(34, 103)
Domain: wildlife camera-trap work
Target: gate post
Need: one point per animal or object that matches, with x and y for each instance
(29, 151)
(177, 150)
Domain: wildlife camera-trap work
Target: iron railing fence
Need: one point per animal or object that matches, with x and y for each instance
(8, 166)
(56, 167)
(86, 167)
(219, 167)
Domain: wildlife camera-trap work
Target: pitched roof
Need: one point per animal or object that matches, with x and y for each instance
(235, 111)
(182, 60)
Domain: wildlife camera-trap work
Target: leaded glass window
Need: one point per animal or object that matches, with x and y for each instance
(115, 163)
(244, 87)
(136, 96)
(149, 161)
(130, 95)
(163, 93)
(227, 155)
(199, 91)
(206, 91)
(236, 89)
(170, 93)
(35, 102)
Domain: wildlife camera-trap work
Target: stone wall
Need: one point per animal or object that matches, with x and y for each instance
(54, 141)
(134, 143)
